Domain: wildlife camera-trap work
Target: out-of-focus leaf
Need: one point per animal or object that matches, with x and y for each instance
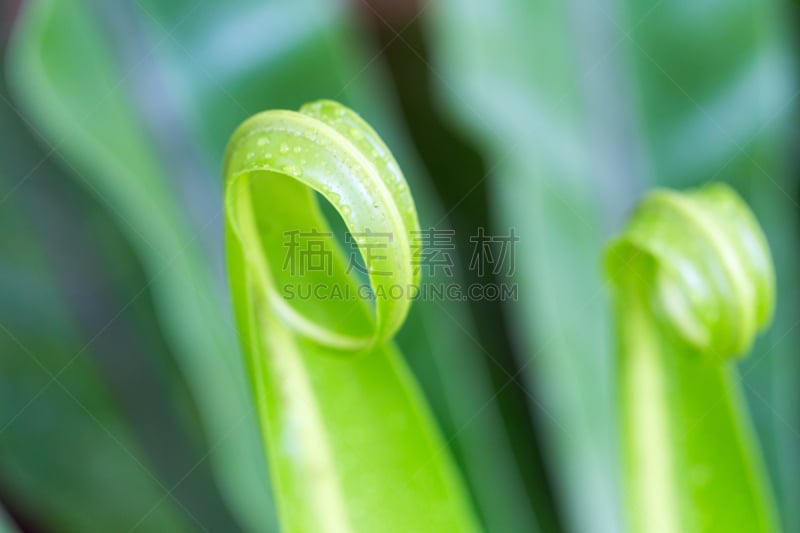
(68, 84)
(581, 107)
(722, 114)
(82, 254)
(219, 63)
(79, 487)
(693, 284)
(68, 460)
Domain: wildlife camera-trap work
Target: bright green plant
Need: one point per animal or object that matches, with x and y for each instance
(350, 441)
(104, 135)
(693, 284)
(609, 99)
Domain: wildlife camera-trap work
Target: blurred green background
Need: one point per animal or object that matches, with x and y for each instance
(123, 402)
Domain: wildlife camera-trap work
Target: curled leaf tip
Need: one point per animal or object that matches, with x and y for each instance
(705, 263)
(283, 157)
(339, 431)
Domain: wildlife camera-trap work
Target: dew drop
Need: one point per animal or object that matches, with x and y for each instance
(346, 210)
(262, 141)
(292, 170)
(297, 149)
(284, 148)
(355, 133)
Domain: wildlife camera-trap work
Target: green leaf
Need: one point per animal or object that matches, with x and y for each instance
(579, 109)
(350, 440)
(54, 378)
(90, 118)
(724, 114)
(99, 478)
(212, 87)
(694, 284)
(211, 93)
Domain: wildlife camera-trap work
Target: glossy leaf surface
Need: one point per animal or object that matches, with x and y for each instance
(351, 443)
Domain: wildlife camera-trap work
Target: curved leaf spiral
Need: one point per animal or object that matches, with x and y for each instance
(350, 441)
(693, 284)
